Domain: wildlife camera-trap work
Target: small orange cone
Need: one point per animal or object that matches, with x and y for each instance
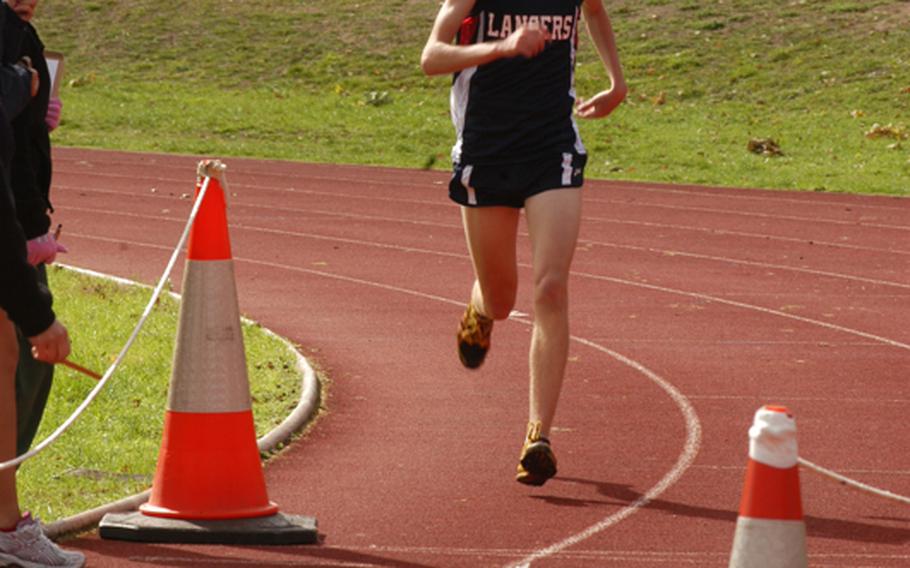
(209, 466)
(770, 530)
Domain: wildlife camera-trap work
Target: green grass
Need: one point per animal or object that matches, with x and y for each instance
(300, 81)
(111, 451)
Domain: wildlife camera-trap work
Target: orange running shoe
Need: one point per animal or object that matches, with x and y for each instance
(538, 462)
(473, 337)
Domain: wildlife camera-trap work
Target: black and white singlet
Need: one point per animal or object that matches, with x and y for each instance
(517, 110)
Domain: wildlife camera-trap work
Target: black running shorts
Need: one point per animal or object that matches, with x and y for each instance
(511, 184)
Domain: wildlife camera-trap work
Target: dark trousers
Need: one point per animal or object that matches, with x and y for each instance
(33, 385)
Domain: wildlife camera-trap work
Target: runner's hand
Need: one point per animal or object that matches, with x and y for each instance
(526, 41)
(601, 104)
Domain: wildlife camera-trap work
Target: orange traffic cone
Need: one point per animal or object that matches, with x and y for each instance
(209, 466)
(770, 530)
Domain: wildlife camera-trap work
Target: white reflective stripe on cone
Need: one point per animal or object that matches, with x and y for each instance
(209, 370)
(763, 543)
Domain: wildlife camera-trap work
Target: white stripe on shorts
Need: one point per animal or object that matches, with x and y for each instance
(567, 168)
(466, 182)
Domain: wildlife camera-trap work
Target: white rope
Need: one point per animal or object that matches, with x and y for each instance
(853, 483)
(129, 343)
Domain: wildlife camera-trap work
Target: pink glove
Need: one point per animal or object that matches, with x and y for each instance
(54, 106)
(44, 249)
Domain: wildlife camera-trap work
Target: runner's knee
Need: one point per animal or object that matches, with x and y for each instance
(551, 292)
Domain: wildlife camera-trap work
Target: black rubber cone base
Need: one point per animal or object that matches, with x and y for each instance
(275, 529)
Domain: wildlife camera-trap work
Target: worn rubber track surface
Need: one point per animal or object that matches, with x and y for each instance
(691, 307)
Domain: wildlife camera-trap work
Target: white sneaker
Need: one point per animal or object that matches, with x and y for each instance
(29, 547)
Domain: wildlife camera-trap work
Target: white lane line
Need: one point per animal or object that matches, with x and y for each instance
(693, 426)
(753, 194)
(745, 306)
(736, 342)
(852, 471)
(458, 227)
(761, 195)
(724, 259)
(715, 231)
(756, 215)
(663, 289)
(299, 560)
(683, 462)
(442, 203)
(839, 400)
(601, 557)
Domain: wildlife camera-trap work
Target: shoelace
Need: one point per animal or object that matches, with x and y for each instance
(474, 326)
(534, 432)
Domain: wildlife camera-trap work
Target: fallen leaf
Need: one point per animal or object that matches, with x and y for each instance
(764, 147)
(887, 131)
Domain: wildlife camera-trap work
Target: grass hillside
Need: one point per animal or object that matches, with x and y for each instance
(827, 81)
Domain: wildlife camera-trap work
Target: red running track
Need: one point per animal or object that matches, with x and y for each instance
(691, 307)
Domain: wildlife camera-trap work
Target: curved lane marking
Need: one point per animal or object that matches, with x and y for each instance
(652, 250)
(743, 305)
(693, 425)
(663, 289)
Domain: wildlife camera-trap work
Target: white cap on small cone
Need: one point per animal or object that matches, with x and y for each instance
(770, 531)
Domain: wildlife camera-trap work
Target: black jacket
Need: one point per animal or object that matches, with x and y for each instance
(30, 171)
(27, 303)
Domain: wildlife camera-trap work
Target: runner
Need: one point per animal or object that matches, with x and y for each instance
(518, 147)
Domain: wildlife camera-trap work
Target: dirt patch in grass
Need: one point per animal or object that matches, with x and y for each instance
(893, 17)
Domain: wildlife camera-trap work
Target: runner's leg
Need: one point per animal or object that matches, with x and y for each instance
(553, 223)
(491, 234)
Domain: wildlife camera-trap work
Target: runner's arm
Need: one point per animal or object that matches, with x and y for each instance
(441, 56)
(601, 31)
